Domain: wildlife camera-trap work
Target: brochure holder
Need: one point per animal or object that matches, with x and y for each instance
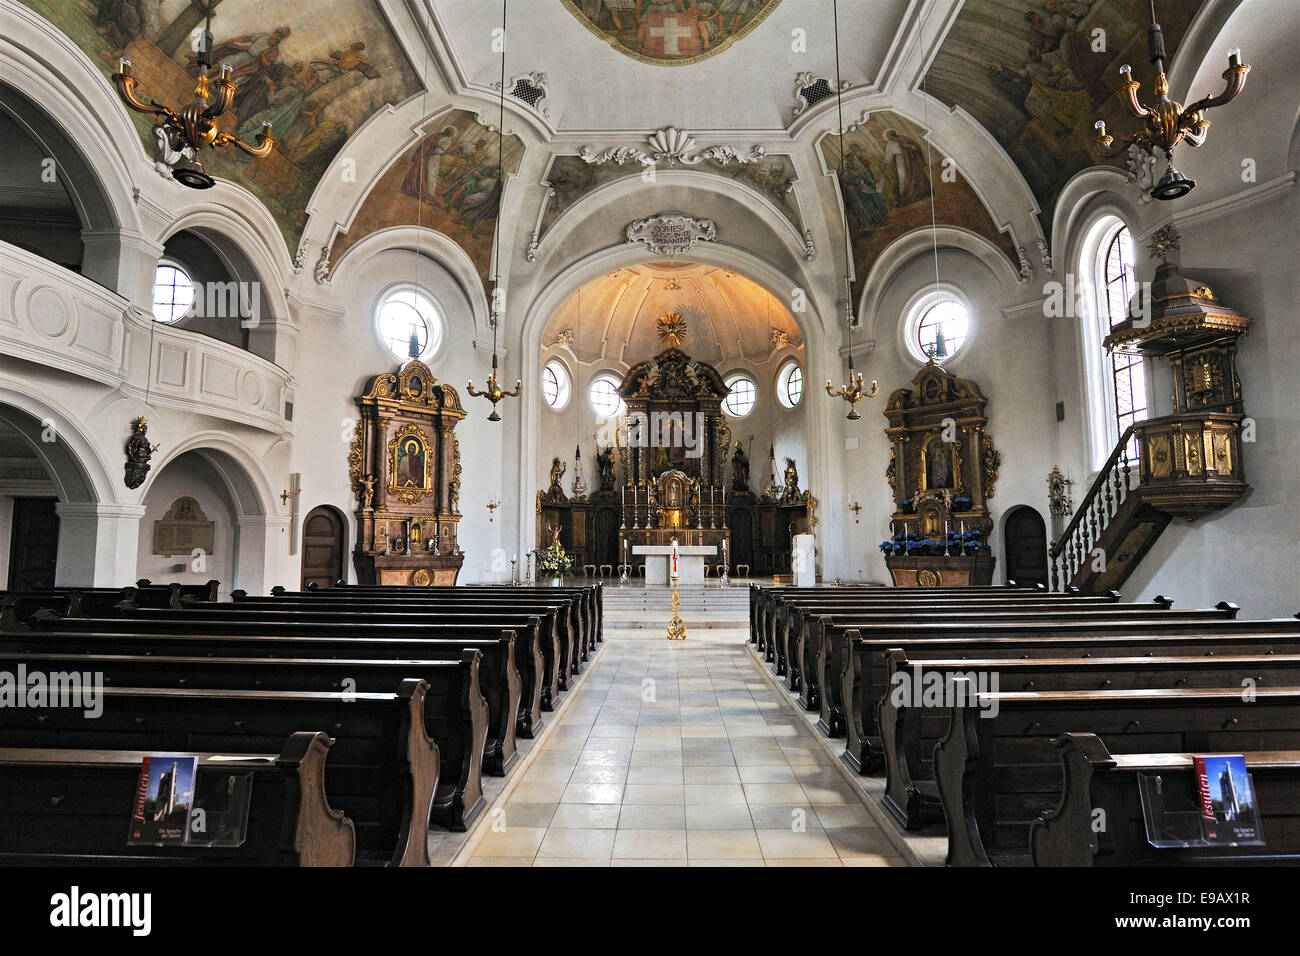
(1171, 808)
(220, 814)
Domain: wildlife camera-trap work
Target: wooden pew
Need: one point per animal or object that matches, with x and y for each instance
(79, 602)
(591, 596)
(763, 597)
(528, 666)
(864, 678)
(811, 650)
(455, 711)
(786, 616)
(382, 771)
(909, 731)
(823, 642)
(996, 774)
(499, 678)
(559, 637)
(70, 808)
(1095, 779)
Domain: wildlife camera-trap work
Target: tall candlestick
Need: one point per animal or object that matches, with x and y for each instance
(674, 557)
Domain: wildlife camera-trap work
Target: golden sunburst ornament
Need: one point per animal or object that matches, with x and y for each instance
(672, 329)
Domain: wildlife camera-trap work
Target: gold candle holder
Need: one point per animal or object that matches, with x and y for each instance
(676, 627)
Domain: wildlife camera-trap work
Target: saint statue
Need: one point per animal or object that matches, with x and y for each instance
(557, 472)
(740, 470)
(605, 465)
(791, 490)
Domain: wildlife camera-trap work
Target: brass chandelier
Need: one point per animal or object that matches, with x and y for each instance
(494, 393)
(194, 126)
(856, 389)
(1168, 123)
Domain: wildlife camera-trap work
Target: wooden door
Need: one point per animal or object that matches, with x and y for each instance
(605, 550)
(742, 539)
(34, 547)
(322, 548)
(1025, 547)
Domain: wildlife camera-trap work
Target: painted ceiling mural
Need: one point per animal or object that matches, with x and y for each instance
(447, 182)
(673, 32)
(316, 71)
(570, 179)
(1037, 74)
(888, 176)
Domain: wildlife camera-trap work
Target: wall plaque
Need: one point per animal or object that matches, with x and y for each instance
(183, 528)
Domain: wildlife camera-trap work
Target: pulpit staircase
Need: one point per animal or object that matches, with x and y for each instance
(1178, 466)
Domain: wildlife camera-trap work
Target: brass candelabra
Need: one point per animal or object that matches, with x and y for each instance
(194, 127)
(1168, 122)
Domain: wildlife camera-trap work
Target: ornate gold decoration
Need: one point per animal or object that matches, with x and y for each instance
(194, 127)
(494, 392)
(676, 626)
(671, 329)
(401, 441)
(991, 459)
(891, 470)
(853, 392)
(421, 577)
(1168, 123)
(1164, 242)
(453, 486)
(927, 578)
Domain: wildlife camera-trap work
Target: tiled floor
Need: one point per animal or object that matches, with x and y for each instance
(675, 754)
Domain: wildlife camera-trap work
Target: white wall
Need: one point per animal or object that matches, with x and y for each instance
(6, 537)
(189, 475)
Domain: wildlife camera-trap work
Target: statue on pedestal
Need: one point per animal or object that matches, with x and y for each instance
(740, 470)
(605, 466)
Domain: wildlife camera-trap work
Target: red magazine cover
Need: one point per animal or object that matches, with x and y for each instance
(1211, 822)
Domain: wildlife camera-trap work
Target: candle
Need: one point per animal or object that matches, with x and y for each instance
(674, 557)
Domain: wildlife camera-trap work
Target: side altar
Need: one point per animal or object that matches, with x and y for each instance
(942, 470)
(405, 470)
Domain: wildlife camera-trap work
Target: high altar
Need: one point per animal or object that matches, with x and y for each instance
(405, 471)
(942, 470)
(674, 442)
(673, 471)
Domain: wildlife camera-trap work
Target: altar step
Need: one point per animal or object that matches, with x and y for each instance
(710, 607)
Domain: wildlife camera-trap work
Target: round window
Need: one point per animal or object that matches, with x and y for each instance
(555, 384)
(741, 396)
(407, 315)
(942, 328)
(173, 293)
(604, 396)
(789, 385)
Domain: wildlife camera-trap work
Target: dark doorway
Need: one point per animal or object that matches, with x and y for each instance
(34, 548)
(1026, 547)
(606, 537)
(741, 522)
(322, 548)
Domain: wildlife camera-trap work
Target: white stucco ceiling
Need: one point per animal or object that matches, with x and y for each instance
(615, 318)
(593, 87)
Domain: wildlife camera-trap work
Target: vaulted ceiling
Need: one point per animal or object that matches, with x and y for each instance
(1028, 75)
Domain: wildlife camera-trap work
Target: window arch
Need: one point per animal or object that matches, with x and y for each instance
(742, 395)
(173, 292)
(1118, 388)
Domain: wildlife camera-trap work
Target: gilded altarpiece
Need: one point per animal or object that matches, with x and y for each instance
(405, 470)
(943, 468)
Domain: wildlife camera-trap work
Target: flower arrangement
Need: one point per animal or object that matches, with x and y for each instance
(553, 562)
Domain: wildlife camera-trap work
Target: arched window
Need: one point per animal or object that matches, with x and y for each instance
(556, 385)
(789, 384)
(1128, 372)
(604, 397)
(173, 292)
(405, 312)
(742, 394)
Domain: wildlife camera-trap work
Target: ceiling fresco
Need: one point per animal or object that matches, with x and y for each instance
(888, 178)
(447, 182)
(672, 32)
(1037, 74)
(316, 71)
